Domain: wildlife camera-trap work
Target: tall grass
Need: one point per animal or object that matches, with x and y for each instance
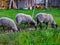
(36, 37)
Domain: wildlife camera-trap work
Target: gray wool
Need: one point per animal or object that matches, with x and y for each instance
(44, 17)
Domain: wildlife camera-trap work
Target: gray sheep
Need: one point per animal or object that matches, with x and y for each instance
(45, 18)
(7, 22)
(25, 19)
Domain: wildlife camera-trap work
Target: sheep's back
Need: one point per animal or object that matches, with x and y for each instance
(23, 18)
(7, 21)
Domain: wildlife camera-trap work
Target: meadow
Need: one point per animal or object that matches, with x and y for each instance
(33, 37)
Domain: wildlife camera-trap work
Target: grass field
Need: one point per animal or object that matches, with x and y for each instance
(35, 37)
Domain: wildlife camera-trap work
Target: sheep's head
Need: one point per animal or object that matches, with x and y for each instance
(34, 23)
(54, 25)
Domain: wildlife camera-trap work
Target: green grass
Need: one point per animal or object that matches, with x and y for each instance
(36, 37)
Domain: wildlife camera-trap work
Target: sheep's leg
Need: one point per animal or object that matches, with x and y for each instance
(46, 25)
(18, 28)
(9, 29)
(40, 25)
(13, 30)
(37, 21)
(3, 28)
(35, 25)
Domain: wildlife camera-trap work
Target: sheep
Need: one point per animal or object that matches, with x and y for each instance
(25, 19)
(7, 22)
(47, 19)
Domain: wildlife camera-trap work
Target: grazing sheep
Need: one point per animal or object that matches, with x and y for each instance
(7, 22)
(25, 19)
(45, 18)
